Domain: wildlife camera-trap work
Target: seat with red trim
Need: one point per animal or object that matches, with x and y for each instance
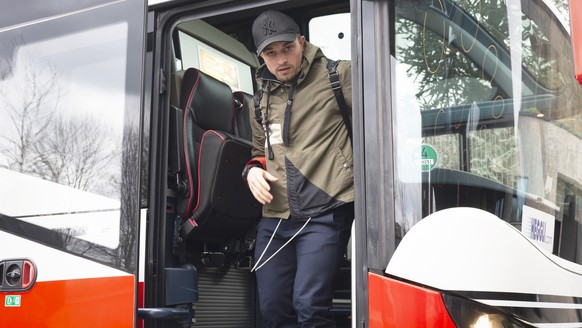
(218, 204)
(243, 105)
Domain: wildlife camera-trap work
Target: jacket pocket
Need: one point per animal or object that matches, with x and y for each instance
(305, 198)
(345, 170)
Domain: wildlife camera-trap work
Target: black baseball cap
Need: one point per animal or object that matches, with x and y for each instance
(272, 26)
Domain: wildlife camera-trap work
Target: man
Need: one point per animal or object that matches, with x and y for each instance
(302, 173)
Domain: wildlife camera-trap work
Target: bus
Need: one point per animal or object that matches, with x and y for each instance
(124, 128)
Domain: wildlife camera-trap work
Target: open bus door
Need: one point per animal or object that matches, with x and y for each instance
(204, 63)
(70, 114)
(447, 112)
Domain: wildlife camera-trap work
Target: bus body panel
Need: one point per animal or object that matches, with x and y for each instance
(472, 253)
(68, 290)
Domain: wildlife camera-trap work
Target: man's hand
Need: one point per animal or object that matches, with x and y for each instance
(258, 181)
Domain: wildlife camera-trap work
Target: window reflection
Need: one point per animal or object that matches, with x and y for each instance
(498, 109)
(62, 102)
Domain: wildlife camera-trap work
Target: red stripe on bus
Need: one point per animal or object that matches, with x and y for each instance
(393, 303)
(576, 33)
(96, 302)
(140, 300)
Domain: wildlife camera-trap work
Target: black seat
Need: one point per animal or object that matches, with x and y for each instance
(243, 106)
(217, 204)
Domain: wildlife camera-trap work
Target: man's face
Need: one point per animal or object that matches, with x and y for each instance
(283, 59)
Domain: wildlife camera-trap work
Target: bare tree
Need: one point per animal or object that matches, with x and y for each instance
(124, 256)
(41, 139)
(75, 152)
(130, 199)
(30, 115)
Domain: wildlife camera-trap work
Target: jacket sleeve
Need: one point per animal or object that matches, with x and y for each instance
(258, 133)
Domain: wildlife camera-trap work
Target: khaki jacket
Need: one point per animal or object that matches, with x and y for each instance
(315, 168)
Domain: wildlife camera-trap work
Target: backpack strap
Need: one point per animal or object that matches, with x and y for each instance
(257, 100)
(336, 87)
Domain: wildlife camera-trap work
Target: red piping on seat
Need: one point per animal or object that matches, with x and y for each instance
(184, 143)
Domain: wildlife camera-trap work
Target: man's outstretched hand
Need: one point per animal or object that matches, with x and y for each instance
(259, 183)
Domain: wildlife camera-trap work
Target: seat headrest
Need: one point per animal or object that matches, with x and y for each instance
(244, 98)
(244, 106)
(208, 99)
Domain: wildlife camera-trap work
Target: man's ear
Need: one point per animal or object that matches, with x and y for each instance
(302, 42)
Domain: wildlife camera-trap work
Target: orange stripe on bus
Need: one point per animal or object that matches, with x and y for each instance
(96, 302)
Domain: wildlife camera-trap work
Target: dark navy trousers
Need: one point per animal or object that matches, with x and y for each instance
(296, 286)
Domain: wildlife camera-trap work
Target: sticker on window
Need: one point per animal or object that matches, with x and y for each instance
(425, 157)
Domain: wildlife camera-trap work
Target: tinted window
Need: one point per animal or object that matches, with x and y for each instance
(69, 108)
(488, 95)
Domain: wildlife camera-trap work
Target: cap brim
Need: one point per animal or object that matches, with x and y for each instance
(276, 38)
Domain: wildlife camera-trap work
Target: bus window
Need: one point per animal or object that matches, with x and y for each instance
(198, 54)
(332, 34)
(64, 134)
(489, 94)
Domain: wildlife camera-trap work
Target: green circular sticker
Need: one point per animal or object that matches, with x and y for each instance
(425, 157)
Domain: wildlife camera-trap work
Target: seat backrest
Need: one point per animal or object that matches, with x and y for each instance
(206, 104)
(218, 204)
(208, 100)
(242, 109)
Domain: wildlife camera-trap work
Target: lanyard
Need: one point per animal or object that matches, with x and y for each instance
(287, 120)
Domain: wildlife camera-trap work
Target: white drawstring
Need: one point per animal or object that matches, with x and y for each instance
(255, 268)
(265, 250)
